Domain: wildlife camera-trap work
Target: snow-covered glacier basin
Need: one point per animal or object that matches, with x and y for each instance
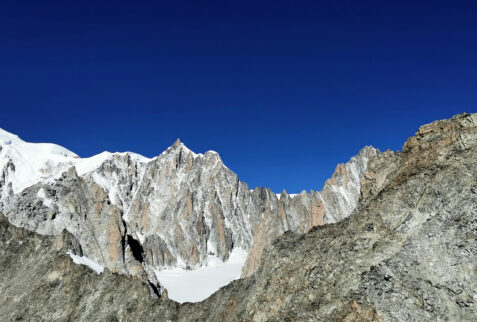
(196, 285)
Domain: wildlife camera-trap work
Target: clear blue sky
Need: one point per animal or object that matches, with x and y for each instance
(283, 90)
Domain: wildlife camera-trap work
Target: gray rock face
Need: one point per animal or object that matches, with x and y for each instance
(408, 253)
(80, 207)
(341, 193)
(300, 213)
(119, 174)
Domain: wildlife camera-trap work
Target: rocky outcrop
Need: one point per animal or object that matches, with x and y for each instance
(79, 206)
(40, 282)
(300, 213)
(119, 174)
(341, 193)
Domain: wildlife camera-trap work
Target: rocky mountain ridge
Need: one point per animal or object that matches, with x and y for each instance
(407, 253)
(134, 215)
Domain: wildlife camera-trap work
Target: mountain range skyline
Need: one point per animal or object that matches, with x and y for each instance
(277, 185)
(282, 91)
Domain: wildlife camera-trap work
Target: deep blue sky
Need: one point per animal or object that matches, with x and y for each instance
(283, 90)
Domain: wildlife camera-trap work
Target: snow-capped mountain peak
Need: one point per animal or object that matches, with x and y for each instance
(23, 164)
(132, 214)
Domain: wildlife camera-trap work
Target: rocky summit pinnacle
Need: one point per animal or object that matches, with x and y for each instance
(390, 237)
(177, 143)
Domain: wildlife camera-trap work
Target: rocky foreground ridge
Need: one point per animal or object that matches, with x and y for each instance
(407, 252)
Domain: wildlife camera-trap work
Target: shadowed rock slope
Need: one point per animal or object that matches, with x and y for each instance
(40, 282)
(407, 253)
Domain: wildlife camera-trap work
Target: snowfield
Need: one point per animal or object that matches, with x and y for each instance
(196, 285)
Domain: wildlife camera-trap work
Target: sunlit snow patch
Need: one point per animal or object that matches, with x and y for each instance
(197, 285)
(87, 262)
(42, 195)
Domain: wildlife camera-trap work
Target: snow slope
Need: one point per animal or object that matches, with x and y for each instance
(32, 162)
(87, 262)
(197, 285)
(24, 164)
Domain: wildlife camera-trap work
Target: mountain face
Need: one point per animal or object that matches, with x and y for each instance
(408, 252)
(337, 200)
(132, 214)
